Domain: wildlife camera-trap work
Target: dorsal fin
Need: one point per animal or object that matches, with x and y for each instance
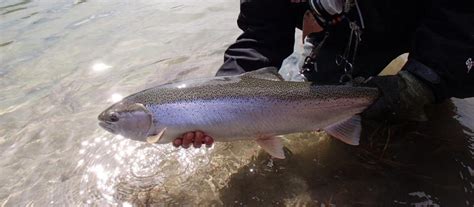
(268, 73)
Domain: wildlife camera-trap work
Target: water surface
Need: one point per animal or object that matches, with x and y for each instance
(63, 62)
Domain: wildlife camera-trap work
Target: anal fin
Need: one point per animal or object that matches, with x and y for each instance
(273, 146)
(347, 131)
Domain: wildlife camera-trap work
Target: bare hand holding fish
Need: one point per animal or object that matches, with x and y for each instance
(197, 138)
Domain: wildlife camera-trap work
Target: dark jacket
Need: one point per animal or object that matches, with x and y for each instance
(437, 33)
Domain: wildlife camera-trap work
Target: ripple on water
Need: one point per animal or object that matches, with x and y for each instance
(62, 62)
(120, 170)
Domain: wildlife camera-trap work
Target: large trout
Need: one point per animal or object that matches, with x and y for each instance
(256, 105)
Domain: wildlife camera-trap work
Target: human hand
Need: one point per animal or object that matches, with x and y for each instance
(403, 97)
(197, 138)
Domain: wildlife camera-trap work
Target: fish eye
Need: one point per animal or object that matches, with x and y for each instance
(113, 117)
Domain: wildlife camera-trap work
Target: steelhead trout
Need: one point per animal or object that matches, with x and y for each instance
(257, 105)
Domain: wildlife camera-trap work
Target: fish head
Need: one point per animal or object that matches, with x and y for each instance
(131, 120)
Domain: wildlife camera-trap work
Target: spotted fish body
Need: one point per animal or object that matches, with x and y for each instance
(249, 106)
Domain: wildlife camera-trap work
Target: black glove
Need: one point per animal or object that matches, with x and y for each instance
(403, 97)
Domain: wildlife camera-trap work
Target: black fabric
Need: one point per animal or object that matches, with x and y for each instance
(328, 71)
(268, 35)
(444, 41)
(437, 33)
(389, 29)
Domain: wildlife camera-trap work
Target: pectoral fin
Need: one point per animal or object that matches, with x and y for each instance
(273, 146)
(347, 131)
(156, 138)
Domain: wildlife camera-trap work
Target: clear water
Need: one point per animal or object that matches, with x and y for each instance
(62, 62)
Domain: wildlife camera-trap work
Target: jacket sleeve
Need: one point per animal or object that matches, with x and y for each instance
(268, 36)
(444, 42)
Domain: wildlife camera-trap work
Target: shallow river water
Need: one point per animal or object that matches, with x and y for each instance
(62, 62)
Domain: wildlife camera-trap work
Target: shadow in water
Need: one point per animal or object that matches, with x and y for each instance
(11, 8)
(412, 163)
(21, 3)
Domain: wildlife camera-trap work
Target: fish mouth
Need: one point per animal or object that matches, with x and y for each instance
(107, 126)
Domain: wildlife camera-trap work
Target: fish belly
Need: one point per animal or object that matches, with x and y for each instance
(246, 118)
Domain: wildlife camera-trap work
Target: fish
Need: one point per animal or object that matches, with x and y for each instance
(257, 105)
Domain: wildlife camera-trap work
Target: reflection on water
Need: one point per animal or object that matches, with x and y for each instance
(63, 62)
(100, 67)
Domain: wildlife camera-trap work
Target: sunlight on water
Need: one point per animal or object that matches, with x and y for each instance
(144, 166)
(182, 86)
(115, 98)
(63, 62)
(427, 199)
(126, 204)
(100, 67)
